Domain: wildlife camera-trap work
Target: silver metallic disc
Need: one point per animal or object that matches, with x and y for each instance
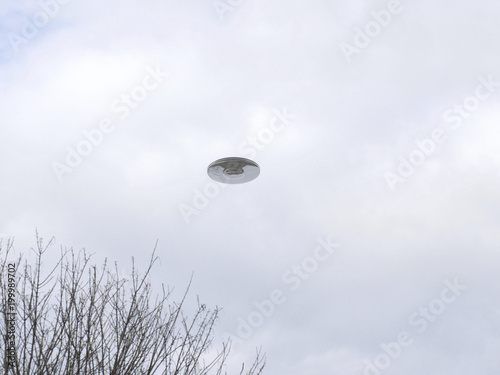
(233, 170)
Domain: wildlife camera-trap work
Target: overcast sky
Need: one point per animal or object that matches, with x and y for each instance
(369, 244)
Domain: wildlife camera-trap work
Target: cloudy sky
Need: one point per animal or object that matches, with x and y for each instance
(369, 244)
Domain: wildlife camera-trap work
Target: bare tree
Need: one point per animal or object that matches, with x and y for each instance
(79, 319)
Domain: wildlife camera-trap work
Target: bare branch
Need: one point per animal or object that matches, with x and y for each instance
(78, 318)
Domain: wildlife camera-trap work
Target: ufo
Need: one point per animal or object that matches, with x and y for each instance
(233, 170)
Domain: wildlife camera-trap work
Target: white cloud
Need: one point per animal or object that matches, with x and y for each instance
(322, 175)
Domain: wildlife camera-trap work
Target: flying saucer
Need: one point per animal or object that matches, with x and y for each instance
(233, 170)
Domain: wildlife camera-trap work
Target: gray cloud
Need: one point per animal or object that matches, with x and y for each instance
(322, 175)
